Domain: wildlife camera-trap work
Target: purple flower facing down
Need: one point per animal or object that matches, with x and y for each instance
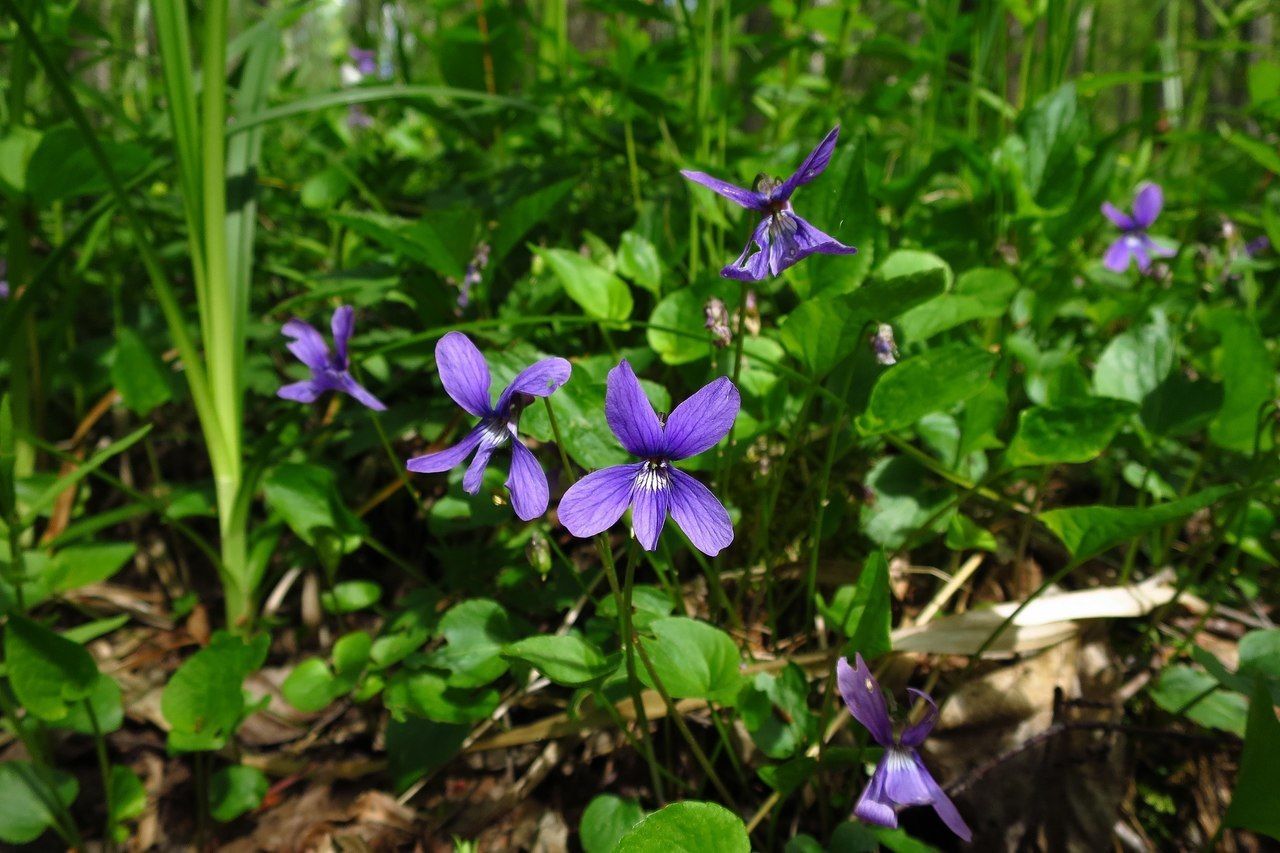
(782, 238)
(654, 488)
(330, 371)
(358, 117)
(466, 379)
(366, 61)
(900, 779)
(1135, 244)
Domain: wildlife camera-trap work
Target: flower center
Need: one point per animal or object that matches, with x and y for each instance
(496, 432)
(781, 224)
(655, 474)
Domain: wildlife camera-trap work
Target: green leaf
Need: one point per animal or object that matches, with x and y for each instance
(569, 660)
(418, 747)
(980, 294)
(62, 166)
(351, 654)
(204, 701)
(1076, 433)
(694, 660)
(306, 497)
(1253, 805)
(904, 497)
(1248, 380)
(638, 261)
(477, 632)
(964, 535)
(607, 818)
(1088, 531)
(108, 707)
(46, 671)
(688, 827)
(128, 796)
(442, 240)
(786, 778)
(521, 217)
(235, 790)
(1262, 153)
(24, 800)
(310, 686)
(16, 148)
(863, 614)
(1180, 405)
(934, 381)
(1052, 128)
(775, 710)
(1183, 690)
(430, 694)
(823, 332)
(1135, 363)
(351, 596)
(50, 493)
(80, 565)
(1260, 654)
(598, 292)
(139, 376)
(681, 310)
(408, 629)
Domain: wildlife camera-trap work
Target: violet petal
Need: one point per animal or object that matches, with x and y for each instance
(749, 199)
(596, 502)
(539, 379)
(701, 421)
(307, 344)
(343, 322)
(306, 391)
(862, 696)
(873, 805)
(699, 514)
(1118, 217)
(1147, 203)
(630, 414)
(443, 460)
(942, 803)
(463, 373)
(649, 501)
(812, 167)
(527, 483)
(914, 734)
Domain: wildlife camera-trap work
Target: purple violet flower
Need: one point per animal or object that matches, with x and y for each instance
(655, 488)
(1135, 243)
(366, 61)
(329, 371)
(466, 379)
(782, 238)
(358, 117)
(900, 779)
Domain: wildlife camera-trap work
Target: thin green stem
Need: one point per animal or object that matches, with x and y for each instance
(627, 635)
(396, 463)
(104, 767)
(698, 755)
(819, 515)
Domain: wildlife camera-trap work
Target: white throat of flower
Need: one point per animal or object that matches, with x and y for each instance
(497, 432)
(654, 475)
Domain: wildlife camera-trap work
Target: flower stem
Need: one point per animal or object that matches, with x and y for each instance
(629, 646)
(674, 714)
(104, 767)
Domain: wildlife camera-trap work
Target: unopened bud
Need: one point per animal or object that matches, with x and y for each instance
(883, 345)
(718, 322)
(538, 553)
